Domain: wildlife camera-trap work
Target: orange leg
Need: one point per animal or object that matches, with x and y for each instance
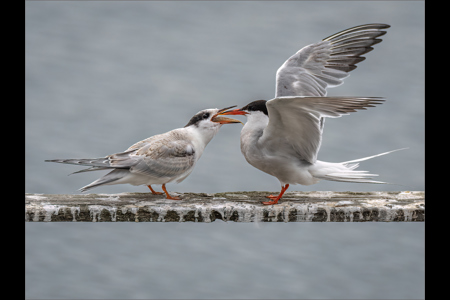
(275, 199)
(153, 191)
(167, 193)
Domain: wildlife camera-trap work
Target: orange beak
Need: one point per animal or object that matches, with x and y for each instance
(236, 111)
(223, 120)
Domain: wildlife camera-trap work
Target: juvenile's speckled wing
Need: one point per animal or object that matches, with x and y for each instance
(164, 155)
(167, 155)
(316, 67)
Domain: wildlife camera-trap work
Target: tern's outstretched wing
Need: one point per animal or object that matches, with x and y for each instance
(295, 121)
(325, 64)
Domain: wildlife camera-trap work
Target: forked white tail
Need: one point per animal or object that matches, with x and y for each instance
(345, 171)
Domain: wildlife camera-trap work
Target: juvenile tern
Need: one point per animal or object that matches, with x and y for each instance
(282, 136)
(159, 159)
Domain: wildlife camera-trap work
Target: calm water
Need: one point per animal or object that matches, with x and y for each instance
(102, 75)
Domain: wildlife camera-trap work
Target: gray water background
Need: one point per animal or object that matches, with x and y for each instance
(102, 75)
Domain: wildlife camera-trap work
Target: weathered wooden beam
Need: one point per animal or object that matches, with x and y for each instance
(234, 206)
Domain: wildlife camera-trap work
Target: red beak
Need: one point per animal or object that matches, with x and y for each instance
(236, 111)
(223, 120)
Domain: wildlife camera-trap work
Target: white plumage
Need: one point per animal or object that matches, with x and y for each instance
(282, 136)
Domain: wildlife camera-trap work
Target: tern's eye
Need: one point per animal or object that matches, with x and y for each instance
(205, 116)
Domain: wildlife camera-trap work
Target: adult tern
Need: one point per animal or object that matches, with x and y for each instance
(159, 159)
(282, 136)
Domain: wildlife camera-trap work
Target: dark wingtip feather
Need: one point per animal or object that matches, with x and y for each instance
(350, 44)
(358, 28)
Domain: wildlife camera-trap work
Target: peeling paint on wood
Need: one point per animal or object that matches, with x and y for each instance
(407, 206)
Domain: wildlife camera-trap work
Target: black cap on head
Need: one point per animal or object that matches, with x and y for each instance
(258, 105)
(203, 115)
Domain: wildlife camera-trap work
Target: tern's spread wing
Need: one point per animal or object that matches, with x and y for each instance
(295, 121)
(325, 64)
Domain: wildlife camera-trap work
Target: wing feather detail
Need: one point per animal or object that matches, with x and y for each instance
(325, 64)
(165, 155)
(296, 121)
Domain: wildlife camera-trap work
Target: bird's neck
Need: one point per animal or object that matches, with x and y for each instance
(256, 122)
(254, 127)
(201, 137)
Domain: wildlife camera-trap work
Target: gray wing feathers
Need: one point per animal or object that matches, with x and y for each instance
(171, 159)
(118, 160)
(298, 120)
(94, 162)
(168, 160)
(316, 67)
(112, 176)
(334, 107)
(166, 155)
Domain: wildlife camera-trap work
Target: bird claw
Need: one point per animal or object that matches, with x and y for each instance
(273, 198)
(270, 202)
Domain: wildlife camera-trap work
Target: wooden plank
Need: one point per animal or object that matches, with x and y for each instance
(406, 206)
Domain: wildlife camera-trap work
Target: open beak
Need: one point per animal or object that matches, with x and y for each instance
(224, 120)
(236, 111)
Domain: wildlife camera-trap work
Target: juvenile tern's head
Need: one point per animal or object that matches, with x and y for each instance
(205, 124)
(211, 118)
